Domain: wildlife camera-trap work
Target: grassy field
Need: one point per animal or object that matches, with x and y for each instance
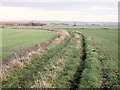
(87, 58)
(21, 38)
(106, 42)
(107, 39)
(58, 63)
(15, 39)
(101, 64)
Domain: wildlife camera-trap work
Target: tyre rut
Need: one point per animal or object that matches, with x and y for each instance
(74, 83)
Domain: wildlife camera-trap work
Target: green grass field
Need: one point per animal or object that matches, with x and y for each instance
(107, 39)
(87, 58)
(13, 39)
(107, 42)
(64, 57)
(21, 38)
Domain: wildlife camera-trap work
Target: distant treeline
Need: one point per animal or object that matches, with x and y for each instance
(23, 23)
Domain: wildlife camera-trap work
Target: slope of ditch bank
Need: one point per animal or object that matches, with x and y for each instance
(74, 83)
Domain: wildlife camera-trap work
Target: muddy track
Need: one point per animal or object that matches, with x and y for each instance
(106, 83)
(74, 84)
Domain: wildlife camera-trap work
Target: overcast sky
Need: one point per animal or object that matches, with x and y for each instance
(60, 10)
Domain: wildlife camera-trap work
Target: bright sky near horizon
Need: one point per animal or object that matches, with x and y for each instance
(60, 10)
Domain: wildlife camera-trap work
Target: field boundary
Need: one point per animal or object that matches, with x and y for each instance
(17, 60)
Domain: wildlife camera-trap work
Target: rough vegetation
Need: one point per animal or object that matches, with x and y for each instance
(76, 58)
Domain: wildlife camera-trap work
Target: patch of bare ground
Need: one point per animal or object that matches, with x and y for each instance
(22, 57)
(61, 35)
